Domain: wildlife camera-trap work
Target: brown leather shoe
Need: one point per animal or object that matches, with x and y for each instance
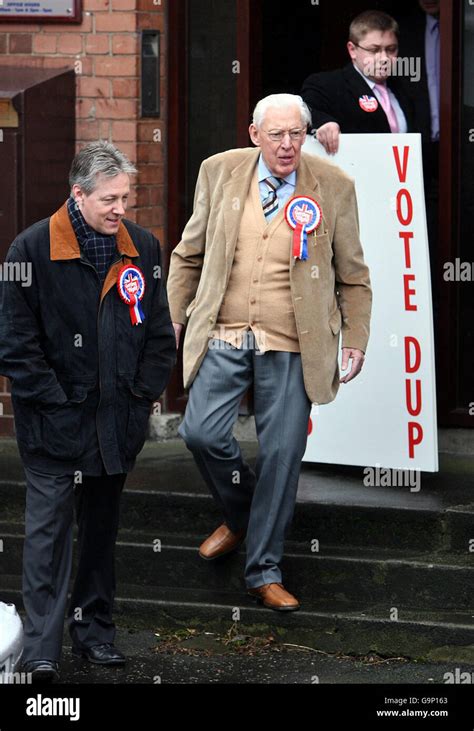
(221, 542)
(275, 596)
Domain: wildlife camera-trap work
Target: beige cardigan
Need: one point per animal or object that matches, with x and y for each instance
(329, 290)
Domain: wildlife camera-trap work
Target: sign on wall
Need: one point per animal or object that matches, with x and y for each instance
(57, 11)
(387, 416)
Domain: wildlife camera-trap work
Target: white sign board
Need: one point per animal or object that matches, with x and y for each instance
(387, 416)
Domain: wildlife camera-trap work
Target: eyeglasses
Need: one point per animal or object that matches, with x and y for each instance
(295, 134)
(389, 50)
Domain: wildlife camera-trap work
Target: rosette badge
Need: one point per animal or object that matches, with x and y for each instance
(304, 216)
(368, 103)
(131, 288)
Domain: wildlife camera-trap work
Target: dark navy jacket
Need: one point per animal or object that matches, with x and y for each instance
(83, 377)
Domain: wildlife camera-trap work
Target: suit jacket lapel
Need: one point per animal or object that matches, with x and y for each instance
(235, 194)
(308, 185)
(306, 181)
(359, 87)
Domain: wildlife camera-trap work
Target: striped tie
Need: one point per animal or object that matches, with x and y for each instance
(270, 203)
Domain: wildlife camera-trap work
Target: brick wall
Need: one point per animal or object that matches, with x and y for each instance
(104, 51)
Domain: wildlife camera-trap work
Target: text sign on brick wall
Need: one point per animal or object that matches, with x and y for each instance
(25, 10)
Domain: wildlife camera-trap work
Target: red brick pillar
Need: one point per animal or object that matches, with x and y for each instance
(104, 51)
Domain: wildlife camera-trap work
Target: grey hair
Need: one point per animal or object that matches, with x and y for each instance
(98, 158)
(281, 101)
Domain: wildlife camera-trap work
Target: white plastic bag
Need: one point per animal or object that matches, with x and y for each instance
(11, 642)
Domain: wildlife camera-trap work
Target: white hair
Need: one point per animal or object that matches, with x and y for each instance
(281, 101)
(98, 158)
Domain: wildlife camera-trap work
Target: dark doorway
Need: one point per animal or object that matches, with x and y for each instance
(309, 37)
(210, 85)
(277, 45)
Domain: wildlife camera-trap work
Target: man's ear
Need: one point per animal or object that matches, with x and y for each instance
(351, 50)
(254, 135)
(77, 193)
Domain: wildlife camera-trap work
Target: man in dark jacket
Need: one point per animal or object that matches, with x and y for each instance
(88, 346)
(365, 96)
(420, 33)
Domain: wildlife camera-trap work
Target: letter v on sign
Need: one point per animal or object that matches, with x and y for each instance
(402, 171)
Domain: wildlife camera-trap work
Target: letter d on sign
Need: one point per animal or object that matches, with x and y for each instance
(412, 355)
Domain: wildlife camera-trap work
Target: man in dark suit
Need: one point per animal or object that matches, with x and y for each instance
(361, 97)
(421, 39)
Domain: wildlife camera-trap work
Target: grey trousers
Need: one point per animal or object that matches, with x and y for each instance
(261, 502)
(47, 561)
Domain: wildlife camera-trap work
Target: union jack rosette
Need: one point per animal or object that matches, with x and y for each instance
(131, 288)
(368, 103)
(303, 215)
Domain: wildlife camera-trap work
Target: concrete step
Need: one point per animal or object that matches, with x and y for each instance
(338, 513)
(327, 626)
(395, 579)
(380, 549)
(166, 494)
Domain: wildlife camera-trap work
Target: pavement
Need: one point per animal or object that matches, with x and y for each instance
(203, 658)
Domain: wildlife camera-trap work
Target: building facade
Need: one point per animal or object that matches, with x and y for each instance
(214, 60)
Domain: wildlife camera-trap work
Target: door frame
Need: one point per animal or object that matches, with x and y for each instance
(449, 213)
(248, 85)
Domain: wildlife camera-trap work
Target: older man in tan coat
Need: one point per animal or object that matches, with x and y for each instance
(269, 272)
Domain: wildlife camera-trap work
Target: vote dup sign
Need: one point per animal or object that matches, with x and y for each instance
(387, 416)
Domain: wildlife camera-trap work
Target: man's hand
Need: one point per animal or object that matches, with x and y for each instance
(357, 357)
(328, 135)
(178, 329)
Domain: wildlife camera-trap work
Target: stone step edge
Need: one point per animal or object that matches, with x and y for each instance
(296, 552)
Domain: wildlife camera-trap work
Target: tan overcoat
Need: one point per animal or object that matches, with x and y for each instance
(330, 290)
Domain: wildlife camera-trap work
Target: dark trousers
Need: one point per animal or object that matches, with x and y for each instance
(47, 561)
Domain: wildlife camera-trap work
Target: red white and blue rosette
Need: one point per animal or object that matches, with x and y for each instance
(131, 287)
(303, 215)
(368, 103)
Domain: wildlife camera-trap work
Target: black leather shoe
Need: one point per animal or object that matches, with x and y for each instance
(105, 654)
(42, 671)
